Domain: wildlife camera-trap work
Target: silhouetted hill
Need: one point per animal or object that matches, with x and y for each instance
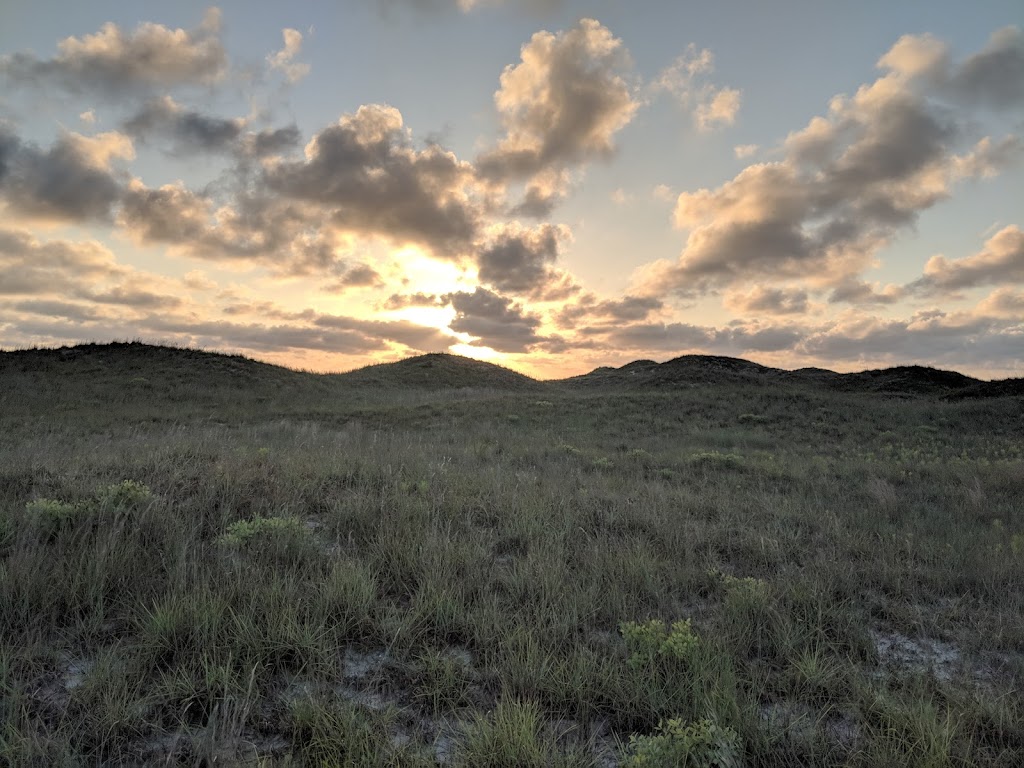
(681, 371)
(123, 371)
(128, 365)
(439, 371)
(693, 370)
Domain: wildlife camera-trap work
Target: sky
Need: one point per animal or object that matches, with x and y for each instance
(551, 185)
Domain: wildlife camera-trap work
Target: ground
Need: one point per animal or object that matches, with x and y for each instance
(206, 561)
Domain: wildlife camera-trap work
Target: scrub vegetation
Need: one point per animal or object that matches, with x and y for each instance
(210, 561)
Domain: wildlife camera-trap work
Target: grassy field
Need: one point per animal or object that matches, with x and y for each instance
(209, 561)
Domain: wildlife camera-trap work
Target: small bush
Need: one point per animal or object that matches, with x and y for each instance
(49, 516)
(701, 744)
(651, 640)
(279, 538)
(127, 494)
(716, 460)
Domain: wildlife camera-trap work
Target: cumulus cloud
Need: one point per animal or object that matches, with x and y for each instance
(1001, 261)
(745, 150)
(561, 105)
(854, 291)
(1004, 302)
(29, 266)
(418, 299)
(252, 230)
(284, 60)
(686, 81)
(367, 179)
(494, 320)
(112, 61)
(769, 301)
(73, 180)
(720, 109)
(993, 77)
(520, 260)
(847, 184)
(271, 141)
(593, 310)
(189, 131)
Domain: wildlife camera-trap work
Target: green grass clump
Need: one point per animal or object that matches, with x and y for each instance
(49, 516)
(678, 744)
(284, 539)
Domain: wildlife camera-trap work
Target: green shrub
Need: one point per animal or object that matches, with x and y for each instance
(716, 460)
(676, 744)
(49, 516)
(278, 538)
(651, 640)
(127, 494)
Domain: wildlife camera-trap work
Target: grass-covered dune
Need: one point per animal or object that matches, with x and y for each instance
(206, 560)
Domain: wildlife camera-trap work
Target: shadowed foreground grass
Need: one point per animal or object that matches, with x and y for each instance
(714, 576)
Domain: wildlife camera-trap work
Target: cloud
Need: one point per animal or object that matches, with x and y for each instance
(562, 104)
(854, 291)
(357, 276)
(283, 60)
(190, 131)
(367, 179)
(1003, 302)
(496, 321)
(589, 307)
(720, 109)
(1001, 261)
(418, 299)
(466, 6)
(769, 301)
(745, 150)
(520, 260)
(112, 61)
(685, 79)
(929, 337)
(71, 181)
(994, 76)
(847, 184)
(31, 267)
(271, 141)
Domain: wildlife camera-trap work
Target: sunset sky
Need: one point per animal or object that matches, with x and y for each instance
(553, 186)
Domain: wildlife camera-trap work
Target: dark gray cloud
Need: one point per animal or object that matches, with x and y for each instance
(520, 260)
(285, 237)
(70, 181)
(271, 141)
(561, 106)
(112, 61)
(995, 75)
(496, 320)
(188, 130)
(356, 276)
(1001, 261)
(368, 180)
